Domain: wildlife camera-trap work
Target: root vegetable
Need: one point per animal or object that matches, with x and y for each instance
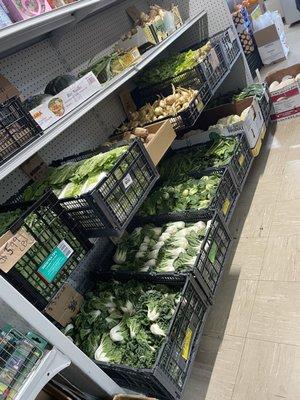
(141, 132)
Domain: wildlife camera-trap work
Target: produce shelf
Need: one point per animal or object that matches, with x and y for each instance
(169, 375)
(209, 264)
(56, 129)
(16, 36)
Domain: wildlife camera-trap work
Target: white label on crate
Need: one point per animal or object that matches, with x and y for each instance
(213, 59)
(13, 247)
(127, 181)
(231, 35)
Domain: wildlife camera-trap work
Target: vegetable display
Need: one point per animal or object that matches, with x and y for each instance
(163, 107)
(189, 195)
(169, 248)
(124, 323)
(216, 155)
(172, 66)
(59, 83)
(77, 178)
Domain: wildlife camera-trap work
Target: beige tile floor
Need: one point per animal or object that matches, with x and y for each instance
(250, 349)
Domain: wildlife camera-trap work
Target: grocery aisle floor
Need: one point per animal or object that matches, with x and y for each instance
(251, 344)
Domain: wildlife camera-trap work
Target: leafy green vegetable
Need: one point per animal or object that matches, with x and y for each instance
(74, 179)
(134, 339)
(191, 194)
(172, 247)
(217, 154)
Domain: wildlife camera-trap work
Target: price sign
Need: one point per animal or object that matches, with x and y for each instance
(64, 305)
(13, 247)
(187, 344)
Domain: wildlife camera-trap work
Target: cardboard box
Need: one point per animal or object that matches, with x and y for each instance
(271, 43)
(164, 136)
(286, 101)
(60, 105)
(7, 90)
(252, 125)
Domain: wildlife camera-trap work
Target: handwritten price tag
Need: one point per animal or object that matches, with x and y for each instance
(13, 247)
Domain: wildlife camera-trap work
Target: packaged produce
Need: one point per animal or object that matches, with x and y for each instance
(124, 323)
(112, 64)
(172, 247)
(59, 83)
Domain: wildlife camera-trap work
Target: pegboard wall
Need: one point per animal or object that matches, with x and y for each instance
(70, 51)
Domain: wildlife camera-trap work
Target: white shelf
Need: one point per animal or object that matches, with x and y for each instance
(56, 129)
(23, 32)
(51, 364)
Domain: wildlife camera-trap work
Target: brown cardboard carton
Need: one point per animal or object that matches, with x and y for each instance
(7, 90)
(285, 101)
(164, 136)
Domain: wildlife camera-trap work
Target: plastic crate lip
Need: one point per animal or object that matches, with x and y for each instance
(190, 280)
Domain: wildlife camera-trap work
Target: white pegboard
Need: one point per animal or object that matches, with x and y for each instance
(32, 68)
(95, 35)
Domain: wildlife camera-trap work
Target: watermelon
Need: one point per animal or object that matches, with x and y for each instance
(34, 101)
(59, 83)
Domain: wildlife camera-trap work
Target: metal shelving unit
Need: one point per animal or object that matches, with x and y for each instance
(21, 34)
(30, 57)
(113, 85)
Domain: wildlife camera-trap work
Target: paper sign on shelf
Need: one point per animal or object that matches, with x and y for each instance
(13, 247)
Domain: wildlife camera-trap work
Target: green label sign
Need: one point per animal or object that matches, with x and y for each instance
(55, 261)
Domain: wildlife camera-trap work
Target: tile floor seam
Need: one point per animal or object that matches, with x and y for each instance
(273, 342)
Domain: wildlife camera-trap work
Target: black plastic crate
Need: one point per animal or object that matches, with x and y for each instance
(241, 161)
(17, 128)
(265, 104)
(51, 227)
(167, 378)
(229, 41)
(254, 62)
(224, 201)
(186, 119)
(209, 264)
(215, 66)
(110, 206)
(193, 78)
